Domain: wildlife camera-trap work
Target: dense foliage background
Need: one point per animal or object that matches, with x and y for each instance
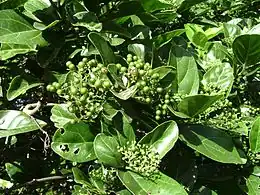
(130, 97)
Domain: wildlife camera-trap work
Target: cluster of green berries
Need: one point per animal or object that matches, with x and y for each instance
(254, 157)
(211, 115)
(108, 176)
(140, 158)
(211, 89)
(143, 76)
(167, 99)
(228, 119)
(85, 89)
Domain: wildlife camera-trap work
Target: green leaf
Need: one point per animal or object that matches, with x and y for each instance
(219, 75)
(213, 32)
(113, 70)
(178, 114)
(32, 6)
(128, 129)
(10, 50)
(74, 142)
(161, 185)
(246, 49)
(138, 50)
(103, 47)
(162, 138)
(11, 4)
(125, 95)
(13, 122)
(53, 76)
(13, 170)
(5, 184)
(153, 5)
(231, 30)
(165, 38)
(106, 150)
(253, 183)
(256, 171)
(15, 30)
(254, 137)
(123, 192)
(20, 85)
(88, 20)
(187, 4)
(109, 112)
(60, 115)
(217, 52)
(194, 105)
(213, 143)
(196, 35)
(187, 71)
(80, 177)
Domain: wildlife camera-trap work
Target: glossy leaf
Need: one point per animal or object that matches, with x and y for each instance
(10, 50)
(219, 75)
(137, 49)
(13, 122)
(60, 115)
(4, 184)
(80, 177)
(103, 47)
(196, 35)
(256, 171)
(252, 184)
(161, 185)
(194, 105)
(106, 150)
(162, 138)
(32, 6)
(246, 49)
(128, 130)
(123, 192)
(187, 71)
(213, 143)
(213, 32)
(165, 38)
(16, 30)
(88, 20)
(217, 52)
(124, 95)
(20, 85)
(153, 5)
(74, 142)
(254, 137)
(231, 30)
(11, 4)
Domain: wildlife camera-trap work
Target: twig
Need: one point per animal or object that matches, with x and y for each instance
(45, 179)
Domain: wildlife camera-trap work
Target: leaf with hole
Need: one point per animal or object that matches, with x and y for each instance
(74, 142)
